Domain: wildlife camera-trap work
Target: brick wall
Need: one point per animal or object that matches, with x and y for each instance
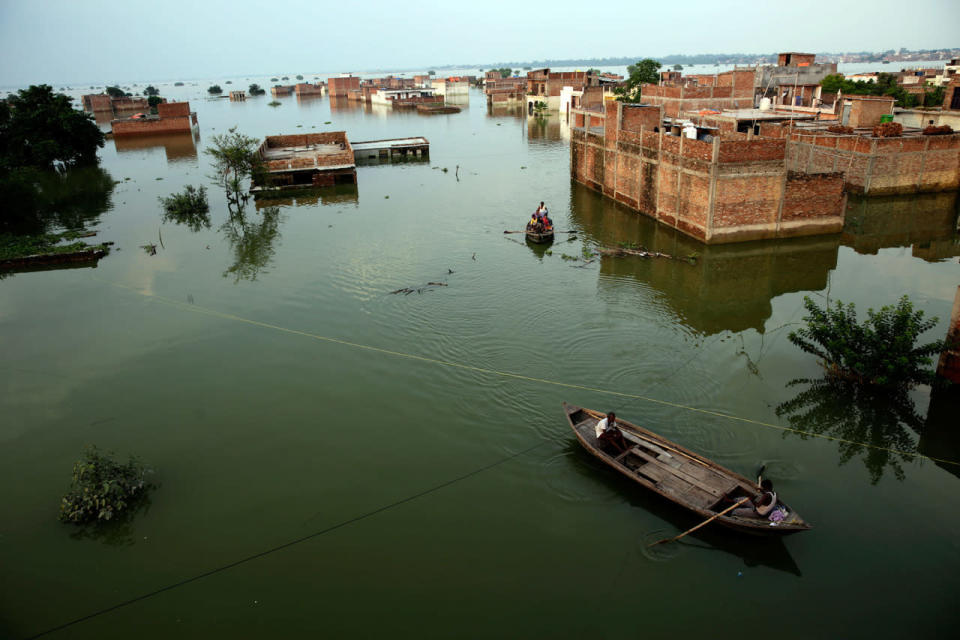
(865, 111)
(878, 166)
(949, 364)
(342, 86)
(172, 109)
(728, 190)
(141, 127)
(952, 90)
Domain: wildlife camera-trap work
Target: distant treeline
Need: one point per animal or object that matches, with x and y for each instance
(702, 58)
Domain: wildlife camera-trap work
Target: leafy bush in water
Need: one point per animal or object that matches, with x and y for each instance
(102, 488)
(255, 90)
(882, 351)
(214, 89)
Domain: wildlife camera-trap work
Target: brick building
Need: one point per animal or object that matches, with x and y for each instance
(279, 90)
(504, 91)
(304, 89)
(728, 90)
(308, 160)
(341, 87)
(733, 188)
(951, 95)
(172, 117)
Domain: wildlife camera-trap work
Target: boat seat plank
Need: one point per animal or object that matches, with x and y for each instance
(717, 489)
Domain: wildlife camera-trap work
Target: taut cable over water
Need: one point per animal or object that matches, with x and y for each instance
(508, 374)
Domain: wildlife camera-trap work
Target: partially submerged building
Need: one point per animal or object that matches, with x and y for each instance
(307, 160)
(733, 188)
(304, 89)
(340, 87)
(452, 86)
(98, 103)
(171, 117)
(404, 97)
(505, 91)
(279, 90)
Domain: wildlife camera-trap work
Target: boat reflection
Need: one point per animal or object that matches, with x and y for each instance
(926, 222)
(870, 424)
(754, 551)
(727, 287)
(178, 147)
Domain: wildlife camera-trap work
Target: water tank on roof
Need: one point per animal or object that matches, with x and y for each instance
(765, 104)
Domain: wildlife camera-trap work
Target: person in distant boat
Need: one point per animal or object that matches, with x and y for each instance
(535, 224)
(546, 221)
(762, 504)
(542, 209)
(609, 434)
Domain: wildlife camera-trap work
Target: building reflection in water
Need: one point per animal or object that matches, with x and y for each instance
(727, 288)
(335, 195)
(940, 437)
(545, 129)
(499, 111)
(341, 103)
(925, 222)
(179, 147)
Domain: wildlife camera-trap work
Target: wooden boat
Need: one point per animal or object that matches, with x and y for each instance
(539, 238)
(680, 475)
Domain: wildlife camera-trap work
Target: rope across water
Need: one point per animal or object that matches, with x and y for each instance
(517, 376)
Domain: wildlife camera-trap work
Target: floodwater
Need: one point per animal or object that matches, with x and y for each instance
(323, 470)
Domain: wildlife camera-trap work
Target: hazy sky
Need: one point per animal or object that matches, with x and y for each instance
(64, 41)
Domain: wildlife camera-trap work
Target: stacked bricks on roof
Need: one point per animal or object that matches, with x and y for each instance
(731, 189)
(888, 130)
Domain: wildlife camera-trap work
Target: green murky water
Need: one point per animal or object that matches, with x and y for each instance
(427, 500)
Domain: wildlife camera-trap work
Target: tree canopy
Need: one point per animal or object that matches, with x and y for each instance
(151, 91)
(882, 351)
(886, 85)
(41, 129)
(116, 92)
(214, 89)
(255, 90)
(646, 71)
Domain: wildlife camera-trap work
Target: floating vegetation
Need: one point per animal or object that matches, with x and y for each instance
(273, 103)
(427, 287)
(149, 249)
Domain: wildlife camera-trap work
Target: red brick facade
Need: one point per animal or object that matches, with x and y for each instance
(341, 86)
(733, 189)
(172, 117)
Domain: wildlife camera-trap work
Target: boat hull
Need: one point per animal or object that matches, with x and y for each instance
(679, 475)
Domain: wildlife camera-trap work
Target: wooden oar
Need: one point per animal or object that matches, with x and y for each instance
(707, 521)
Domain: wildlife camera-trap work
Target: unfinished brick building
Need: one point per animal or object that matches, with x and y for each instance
(729, 90)
(304, 89)
(172, 117)
(731, 189)
(307, 160)
(504, 91)
(341, 87)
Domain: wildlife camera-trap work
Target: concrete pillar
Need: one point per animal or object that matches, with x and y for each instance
(949, 365)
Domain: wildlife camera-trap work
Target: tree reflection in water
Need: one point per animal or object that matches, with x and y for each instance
(868, 423)
(252, 242)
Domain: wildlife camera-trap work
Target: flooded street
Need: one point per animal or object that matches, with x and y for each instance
(400, 464)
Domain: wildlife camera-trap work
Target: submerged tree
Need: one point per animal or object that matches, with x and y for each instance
(646, 71)
(151, 91)
(116, 92)
(214, 89)
(235, 159)
(255, 90)
(882, 351)
(102, 488)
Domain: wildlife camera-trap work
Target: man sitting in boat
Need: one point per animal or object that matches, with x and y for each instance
(609, 435)
(762, 504)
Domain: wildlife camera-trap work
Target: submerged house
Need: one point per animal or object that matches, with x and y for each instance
(305, 160)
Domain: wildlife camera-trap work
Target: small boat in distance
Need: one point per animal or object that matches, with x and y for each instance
(540, 237)
(680, 475)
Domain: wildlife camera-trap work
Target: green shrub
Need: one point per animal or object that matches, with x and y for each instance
(881, 351)
(214, 90)
(102, 488)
